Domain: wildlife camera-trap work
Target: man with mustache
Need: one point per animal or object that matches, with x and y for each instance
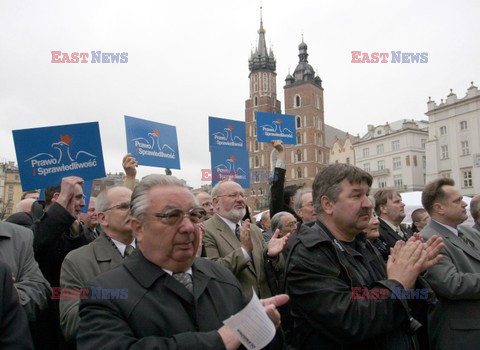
(106, 252)
(333, 272)
(239, 245)
(454, 322)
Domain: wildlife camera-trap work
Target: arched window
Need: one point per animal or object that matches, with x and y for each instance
(255, 101)
(297, 101)
(256, 162)
(299, 122)
(299, 173)
(256, 146)
(261, 191)
(299, 139)
(299, 156)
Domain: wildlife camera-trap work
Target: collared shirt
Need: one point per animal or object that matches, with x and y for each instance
(232, 226)
(189, 271)
(450, 228)
(121, 246)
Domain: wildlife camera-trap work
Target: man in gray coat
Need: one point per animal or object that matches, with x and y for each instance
(454, 322)
(16, 250)
(103, 254)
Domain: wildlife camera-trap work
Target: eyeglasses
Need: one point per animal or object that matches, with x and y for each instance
(234, 195)
(291, 224)
(175, 216)
(121, 206)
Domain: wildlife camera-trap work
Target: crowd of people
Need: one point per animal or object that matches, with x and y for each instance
(152, 265)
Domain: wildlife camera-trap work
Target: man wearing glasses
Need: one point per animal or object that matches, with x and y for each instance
(108, 251)
(237, 245)
(175, 300)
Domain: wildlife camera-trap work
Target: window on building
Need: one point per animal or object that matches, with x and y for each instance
(423, 141)
(380, 149)
(444, 152)
(397, 162)
(395, 145)
(297, 101)
(253, 192)
(366, 167)
(414, 160)
(256, 162)
(445, 174)
(299, 122)
(463, 125)
(348, 160)
(320, 156)
(299, 173)
(407, 160)
(96, 187)
(317, 101)
(366, 152)
(265, 82)
(255, 83)
(397, 181)
(424, 161)
(382, 182)
(380, 165)
(299, 156)
(255, 145)
(467, 178)
(465, 150)
(260, 190)
(255, 101)
(443, 130)
(299, 139)
(254, 129)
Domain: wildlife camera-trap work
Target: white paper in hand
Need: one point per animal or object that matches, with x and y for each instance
(252, 325)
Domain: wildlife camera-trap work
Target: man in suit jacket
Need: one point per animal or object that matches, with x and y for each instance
(14, 333)
(16, 250)
(475, 211)
(103, 254)
(239, 246)
(171, 299)
(391, 211)
(454, 322)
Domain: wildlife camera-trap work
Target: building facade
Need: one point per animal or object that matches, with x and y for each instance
(394, 154)
(11, 189)
(342, 151)
(453, 146)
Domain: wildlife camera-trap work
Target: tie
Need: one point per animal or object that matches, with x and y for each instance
(185, 279)
(400, 233)
(237, 231)
(465, 239)
(128, 250)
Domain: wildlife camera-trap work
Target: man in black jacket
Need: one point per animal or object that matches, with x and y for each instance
(339, 287)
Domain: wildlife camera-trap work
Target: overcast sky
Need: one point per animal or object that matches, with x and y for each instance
(189, 59)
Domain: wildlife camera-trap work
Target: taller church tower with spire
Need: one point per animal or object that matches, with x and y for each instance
(262, 98)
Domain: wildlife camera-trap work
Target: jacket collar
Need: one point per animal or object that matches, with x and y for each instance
(103, 247)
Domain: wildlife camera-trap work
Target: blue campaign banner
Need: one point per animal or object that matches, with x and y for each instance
(228, 163)
(46, 155)
(272, 126)
(151, 143)
(87, 193)
(227, 133)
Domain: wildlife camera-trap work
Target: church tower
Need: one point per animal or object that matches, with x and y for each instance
(262, 98)
(304, 100)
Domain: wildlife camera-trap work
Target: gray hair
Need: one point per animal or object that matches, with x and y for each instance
(140, 202)
(265, 215)
(297, 200)
(328, 179)
(277, 220)
(102, 202)
(475, 207)
(216, 189)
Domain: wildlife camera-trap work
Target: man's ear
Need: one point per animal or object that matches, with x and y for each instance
(102, 220)
(215, 202)
(55, 197)
(137, 229)
(438, 208)
(327, 205)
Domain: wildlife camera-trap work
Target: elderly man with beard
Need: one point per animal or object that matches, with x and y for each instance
(237, 245)
(108, 251)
